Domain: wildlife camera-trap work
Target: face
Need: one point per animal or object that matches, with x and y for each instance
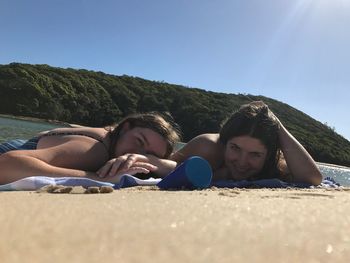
(140, 140)
(244, 157)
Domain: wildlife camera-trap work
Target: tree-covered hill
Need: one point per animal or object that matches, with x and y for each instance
(98, 99)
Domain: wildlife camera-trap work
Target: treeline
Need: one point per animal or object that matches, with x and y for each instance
(97, 99)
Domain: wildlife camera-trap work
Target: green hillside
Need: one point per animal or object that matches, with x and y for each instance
(98, 99)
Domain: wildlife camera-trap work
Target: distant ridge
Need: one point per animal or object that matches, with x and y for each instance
(97, 99)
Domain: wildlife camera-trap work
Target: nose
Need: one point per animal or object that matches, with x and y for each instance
(242, 160)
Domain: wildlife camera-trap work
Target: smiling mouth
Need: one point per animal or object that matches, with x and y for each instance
(241, 170)
(239, 173)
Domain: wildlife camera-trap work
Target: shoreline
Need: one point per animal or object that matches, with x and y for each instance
(48, 121)
(334, 166)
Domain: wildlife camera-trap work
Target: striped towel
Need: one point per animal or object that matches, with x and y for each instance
(19, 144)
(36, 182)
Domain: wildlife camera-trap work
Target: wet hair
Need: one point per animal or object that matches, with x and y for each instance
(255, 120)
(162, 124)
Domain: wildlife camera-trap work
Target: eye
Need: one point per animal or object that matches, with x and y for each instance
(140, 142)
(234, 147)
(256, 155)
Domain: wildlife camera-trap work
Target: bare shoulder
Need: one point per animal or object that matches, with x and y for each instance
(203, 141)
(206, 146)
(207, 141)
(207, 137)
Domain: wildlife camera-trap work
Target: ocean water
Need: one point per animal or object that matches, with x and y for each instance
(11, 128)
(339, 173)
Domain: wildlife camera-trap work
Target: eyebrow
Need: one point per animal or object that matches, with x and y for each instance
(238, 146)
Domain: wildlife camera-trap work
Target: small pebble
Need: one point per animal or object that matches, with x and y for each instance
(56, 189)
(106, 189)
(47, 188)
(92, 190)
(64, 190)
(60, 189)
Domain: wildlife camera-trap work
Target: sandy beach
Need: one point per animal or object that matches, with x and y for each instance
(144, 224)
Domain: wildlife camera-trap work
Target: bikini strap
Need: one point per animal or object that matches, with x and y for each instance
(75, 133)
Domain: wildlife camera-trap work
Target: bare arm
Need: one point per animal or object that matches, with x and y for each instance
(132, 163)
(15, 166)
(300, 164)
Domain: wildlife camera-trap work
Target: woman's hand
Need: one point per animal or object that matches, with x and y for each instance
(274, 117)
(126, 164)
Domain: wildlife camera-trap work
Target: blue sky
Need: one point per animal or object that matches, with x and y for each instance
(295, 51)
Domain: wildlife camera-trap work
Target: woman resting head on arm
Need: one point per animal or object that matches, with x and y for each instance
(163, 131)
(137, 144)
(141, 139)
(253, 144)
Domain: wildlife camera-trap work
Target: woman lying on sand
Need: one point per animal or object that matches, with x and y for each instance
(138, 144)
(253, 144)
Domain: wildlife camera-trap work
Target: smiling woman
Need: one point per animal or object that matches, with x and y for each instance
(253, 144)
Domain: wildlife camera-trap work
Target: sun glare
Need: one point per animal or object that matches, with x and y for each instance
(306, 18)
(331, 3)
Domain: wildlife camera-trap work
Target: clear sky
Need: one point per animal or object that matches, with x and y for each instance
(295, 51)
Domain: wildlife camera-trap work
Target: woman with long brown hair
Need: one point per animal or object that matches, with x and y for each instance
(253, 144)
(140, 143)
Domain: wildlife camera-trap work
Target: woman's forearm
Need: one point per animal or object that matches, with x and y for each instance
(301, 165)
(164, 166)
(14, 167)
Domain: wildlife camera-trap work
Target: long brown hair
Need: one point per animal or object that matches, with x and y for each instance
(162, 124)
(255, 120)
